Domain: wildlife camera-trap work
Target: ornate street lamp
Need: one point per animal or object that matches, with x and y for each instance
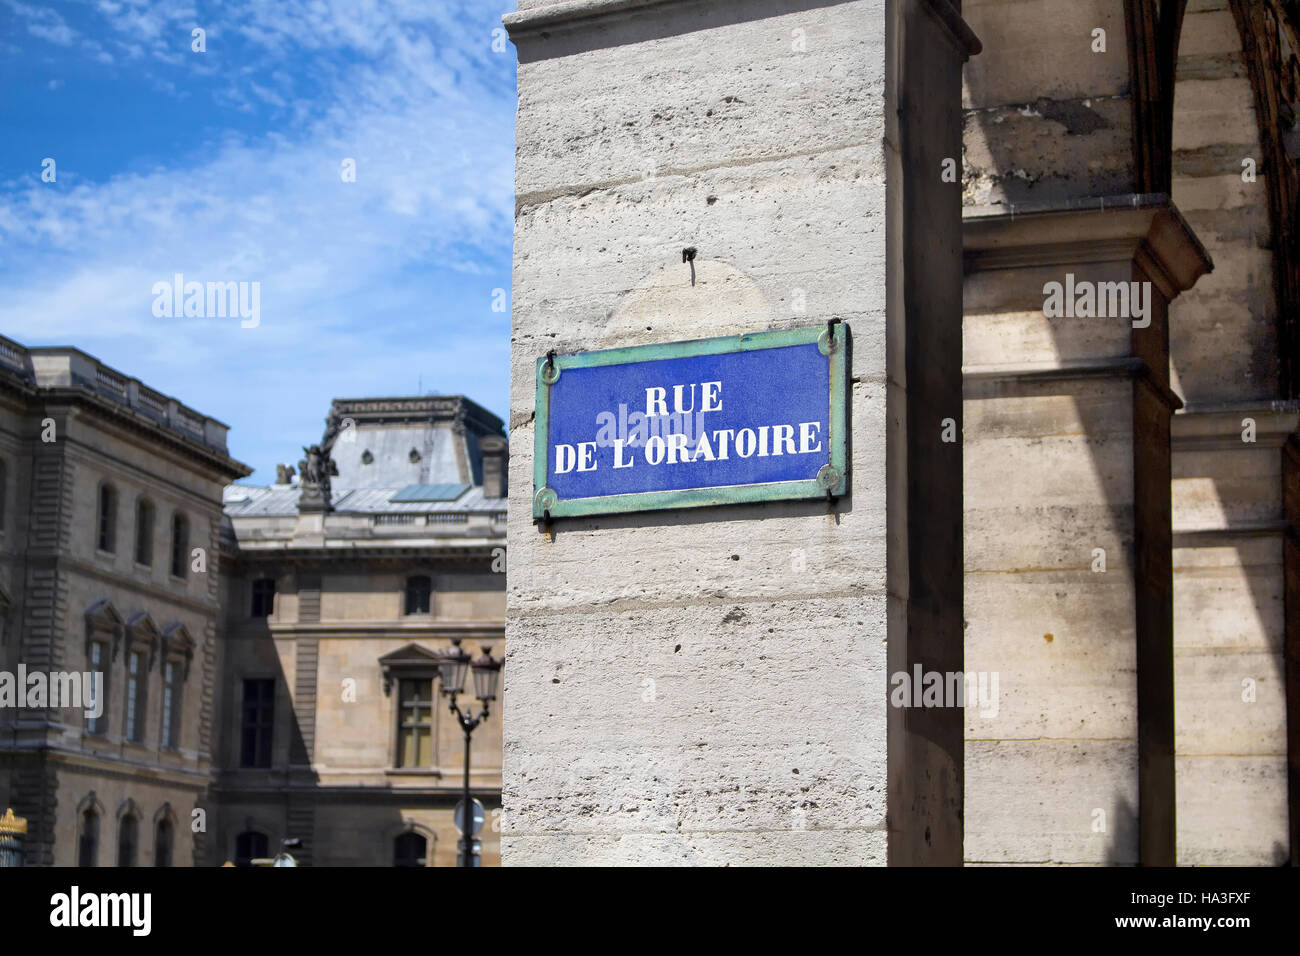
(451, 669)
(487, 672)
(452, 665)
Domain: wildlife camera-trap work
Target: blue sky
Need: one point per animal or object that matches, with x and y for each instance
(225, 166)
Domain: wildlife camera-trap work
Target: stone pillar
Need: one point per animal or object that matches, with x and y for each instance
(1068, 568)
(710, 686)
(1234, 500)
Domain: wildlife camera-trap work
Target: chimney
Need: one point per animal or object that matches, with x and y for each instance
(495, 451)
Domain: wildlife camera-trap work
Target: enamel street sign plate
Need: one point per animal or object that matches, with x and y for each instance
(711, 422)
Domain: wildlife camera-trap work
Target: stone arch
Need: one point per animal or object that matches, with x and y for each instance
(255, 825)
(90, 805)
(90, 801)
(164, 812)
(408, 825)
(1223, 340)
(1153, 31)
(1271, 54)
(129, 808)
(720, 300)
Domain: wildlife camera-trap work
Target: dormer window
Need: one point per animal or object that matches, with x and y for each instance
(414, 456)
(367, 458)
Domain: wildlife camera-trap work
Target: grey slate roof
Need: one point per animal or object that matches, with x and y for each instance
(242, 501)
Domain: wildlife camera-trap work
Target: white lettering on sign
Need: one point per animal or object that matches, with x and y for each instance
(656, 399)
(673, 439)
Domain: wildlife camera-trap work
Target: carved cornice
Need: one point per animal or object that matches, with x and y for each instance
(141, 632)
(1033, 373)
(1147, 228)
(525, 23)
(178, 644)
(415, 409)
(1219, 427)
(102, 618)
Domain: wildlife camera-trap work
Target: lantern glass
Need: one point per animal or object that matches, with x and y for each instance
(451, 669)
(487, 674)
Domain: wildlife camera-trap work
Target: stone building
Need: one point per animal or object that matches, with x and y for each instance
(110, 517)
(269, 671)
(331, 728)
(1155, 706)
(1116, 517)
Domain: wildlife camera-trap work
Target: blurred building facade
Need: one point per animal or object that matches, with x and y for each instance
(331, 726)
(110, 518)
(268, 654)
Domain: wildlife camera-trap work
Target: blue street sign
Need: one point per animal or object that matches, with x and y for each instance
(744, 418)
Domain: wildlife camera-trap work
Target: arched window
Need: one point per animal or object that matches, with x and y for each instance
(249, 846)
(162, 843)
(410, 849)
(128, 839)
(419, 588)
(144, 531)
(88, 848)
(107, 518)
(180, 545)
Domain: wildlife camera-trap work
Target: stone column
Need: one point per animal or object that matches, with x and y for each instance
(1068, 569)
(710, 686)
(1234, 496)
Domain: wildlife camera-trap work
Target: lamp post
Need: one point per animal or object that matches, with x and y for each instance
(452, 665)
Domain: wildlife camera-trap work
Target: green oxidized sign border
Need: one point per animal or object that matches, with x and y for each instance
(832, 340)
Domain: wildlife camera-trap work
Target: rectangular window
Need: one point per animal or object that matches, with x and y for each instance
(180, 545)
(257, 720)
(144, 533)
(171, 707)
(97, 725)
(107, 518)
(419, 589)
(263, 597)
(135, 687)
(415, 723)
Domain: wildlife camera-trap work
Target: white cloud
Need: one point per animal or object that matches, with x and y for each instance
(44, 23)
(345, 268)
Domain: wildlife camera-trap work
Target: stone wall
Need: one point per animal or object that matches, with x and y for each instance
(709, 686)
